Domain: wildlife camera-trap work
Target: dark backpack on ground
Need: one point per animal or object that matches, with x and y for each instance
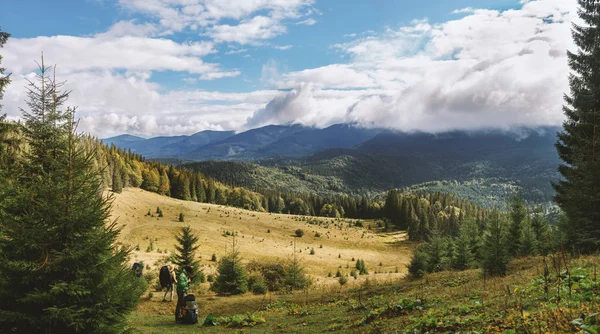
(190, 310)
(165, 277)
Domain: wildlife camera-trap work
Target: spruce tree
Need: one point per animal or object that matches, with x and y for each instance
(4, 79)
(61, 270)
(578, 145)
(495, 257)
(541, 230)
(518, 213)
(529, 244)
(186, 253)
(232, 277)
(436, 249)
(295, 276)
(462, 257)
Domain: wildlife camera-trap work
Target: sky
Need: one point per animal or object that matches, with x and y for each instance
(176, 67)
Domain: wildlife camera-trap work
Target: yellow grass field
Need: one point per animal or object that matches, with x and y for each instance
(382, 252)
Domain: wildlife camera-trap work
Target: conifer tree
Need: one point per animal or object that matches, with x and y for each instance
(529, 244)
(436, 250)
(540, 230)
(462, 257)
(117, 179)
(518, 213)
(186, 253)
(495, 256)
(232, 277)
(295, 276)
(578, 145)
(4, 79)
(61, 270)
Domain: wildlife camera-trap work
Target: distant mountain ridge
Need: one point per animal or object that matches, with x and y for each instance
(269, 141)
(484, 161)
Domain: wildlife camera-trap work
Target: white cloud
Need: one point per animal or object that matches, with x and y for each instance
(308, 22)
(236, 51)
(283, 47)
(99, 53)
(466, 10)
(205, 15)
(487, 69)
(130, 28)
(251, 31)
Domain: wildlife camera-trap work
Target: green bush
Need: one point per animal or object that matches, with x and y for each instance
(418, 263)
(299, 233)
(257, 285)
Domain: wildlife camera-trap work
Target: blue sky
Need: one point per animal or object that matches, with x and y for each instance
(166, 67)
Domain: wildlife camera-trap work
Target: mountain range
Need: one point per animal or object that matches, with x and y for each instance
(484, 164)
(264, 142)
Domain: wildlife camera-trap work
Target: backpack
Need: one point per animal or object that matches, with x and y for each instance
(165, 277)
(137, 269)
(190, 310)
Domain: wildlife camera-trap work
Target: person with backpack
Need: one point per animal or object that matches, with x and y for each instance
(182, 290)
(167, 280)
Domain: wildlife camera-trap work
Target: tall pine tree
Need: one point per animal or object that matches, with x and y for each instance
(186, 253)
(495, 256)
(61, 270)
(578, 194)
(518, 213)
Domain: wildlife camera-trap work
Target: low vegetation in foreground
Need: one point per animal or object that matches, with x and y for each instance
(554, 294)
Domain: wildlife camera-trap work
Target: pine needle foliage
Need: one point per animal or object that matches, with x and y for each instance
(578, 145)
(60, 267)
(185, 255)
(232, 277)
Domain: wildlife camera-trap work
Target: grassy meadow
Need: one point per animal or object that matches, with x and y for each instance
(538, 295)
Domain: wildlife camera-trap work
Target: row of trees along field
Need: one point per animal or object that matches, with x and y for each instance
(487, 241)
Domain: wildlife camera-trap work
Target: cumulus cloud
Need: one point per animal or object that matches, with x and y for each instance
(114, 53)
(486, 68)
(205, 16)
(490, 68)
(251, 31)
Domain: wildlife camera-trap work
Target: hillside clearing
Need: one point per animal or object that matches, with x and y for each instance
(260, 236)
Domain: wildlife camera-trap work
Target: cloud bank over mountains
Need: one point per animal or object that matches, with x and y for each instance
(484, 68)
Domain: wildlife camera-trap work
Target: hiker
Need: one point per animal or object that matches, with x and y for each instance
(182, 290)
(167, 280)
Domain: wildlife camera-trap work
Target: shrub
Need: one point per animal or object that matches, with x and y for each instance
(272, 273)
(338, 273)
(299, 233)
(257, 285)
(232, 277)
(361, 267)
(418, 263)
(343, 280)
(181, 217)
(210, 278)
(312, 251)
(317, 235)
(213, 258)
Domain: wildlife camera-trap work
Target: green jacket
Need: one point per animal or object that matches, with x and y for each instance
(182, 283)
